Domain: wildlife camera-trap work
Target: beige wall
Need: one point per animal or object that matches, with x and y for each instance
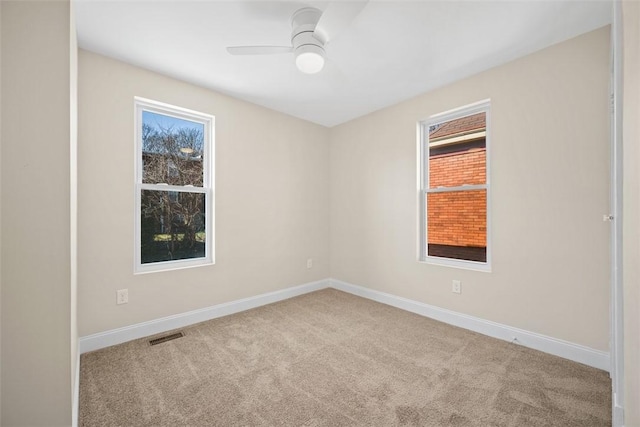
(271, 200)
(549, 190)
(35, 247)
(631, 210)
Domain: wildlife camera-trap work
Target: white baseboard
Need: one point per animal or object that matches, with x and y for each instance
(578, 353)
(145, 329)
(618, 416)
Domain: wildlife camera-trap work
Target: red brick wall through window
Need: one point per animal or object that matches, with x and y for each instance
(457, 218)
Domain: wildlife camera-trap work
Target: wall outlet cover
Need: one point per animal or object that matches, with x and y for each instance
(456, 287)
(122, 296)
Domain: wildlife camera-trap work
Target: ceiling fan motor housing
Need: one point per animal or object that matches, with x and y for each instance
(304, 23)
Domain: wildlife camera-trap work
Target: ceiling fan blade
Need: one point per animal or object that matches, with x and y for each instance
(258, 50)
(336, 17)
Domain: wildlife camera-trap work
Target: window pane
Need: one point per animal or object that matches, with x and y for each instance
(457, 152)
(457, 225)
(172, 226)
(172, 150)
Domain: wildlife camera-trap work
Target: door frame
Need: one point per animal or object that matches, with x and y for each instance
(616, 304)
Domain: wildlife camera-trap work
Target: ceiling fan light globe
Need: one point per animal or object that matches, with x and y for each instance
(309, 59)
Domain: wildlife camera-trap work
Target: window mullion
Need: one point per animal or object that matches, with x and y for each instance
(166, 187)
(458, 188)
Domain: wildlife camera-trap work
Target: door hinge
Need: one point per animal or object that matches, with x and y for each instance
(612, 104)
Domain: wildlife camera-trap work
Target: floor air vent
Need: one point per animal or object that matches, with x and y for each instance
(166, 338)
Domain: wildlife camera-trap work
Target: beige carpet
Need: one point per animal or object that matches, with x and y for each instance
(333, 359)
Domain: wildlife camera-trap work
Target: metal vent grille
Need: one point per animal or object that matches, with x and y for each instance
(166, 338)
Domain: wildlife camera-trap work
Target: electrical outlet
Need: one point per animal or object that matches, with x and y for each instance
(456, 287)
(122, 296)
(309, 262)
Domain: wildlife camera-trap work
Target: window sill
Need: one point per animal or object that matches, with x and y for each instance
(172, 265)
(484, 267)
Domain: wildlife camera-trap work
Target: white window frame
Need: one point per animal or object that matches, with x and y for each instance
(423, 185)
(143, 104)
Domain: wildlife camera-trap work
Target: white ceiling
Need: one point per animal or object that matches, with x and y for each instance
(393, 50)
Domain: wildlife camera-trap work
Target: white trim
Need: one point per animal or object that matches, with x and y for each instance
(178, 188)
(207, 188)
(577, 353)
(420, 214)
(457, 263)
(616, 326)
(483, 106)
(152, 327)
(76, 393)
(444, 141)
(618, 416)
(465, 187)
(465, 110)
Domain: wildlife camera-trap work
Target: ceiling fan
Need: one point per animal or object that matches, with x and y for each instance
(312, 30)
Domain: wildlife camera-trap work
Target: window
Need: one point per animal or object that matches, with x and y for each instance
(174, 190)
(454, 191)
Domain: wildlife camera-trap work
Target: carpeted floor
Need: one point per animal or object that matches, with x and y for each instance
(333, 359)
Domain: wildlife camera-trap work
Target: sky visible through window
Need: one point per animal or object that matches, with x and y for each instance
(162, 121)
